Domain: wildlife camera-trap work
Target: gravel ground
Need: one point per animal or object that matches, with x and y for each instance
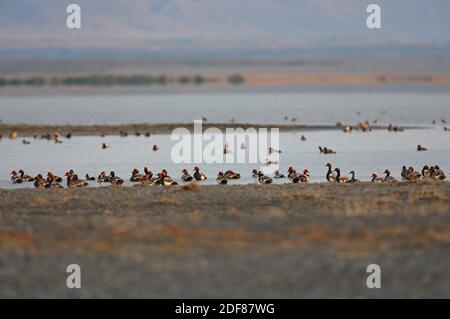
(249, 241)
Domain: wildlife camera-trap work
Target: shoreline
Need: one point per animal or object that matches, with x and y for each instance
(27, 130)
(258, 241)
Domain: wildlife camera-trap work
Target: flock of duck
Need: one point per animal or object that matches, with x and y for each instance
(147, 178)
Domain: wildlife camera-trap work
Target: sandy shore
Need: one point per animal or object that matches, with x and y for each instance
(289, 241)
(26, 130)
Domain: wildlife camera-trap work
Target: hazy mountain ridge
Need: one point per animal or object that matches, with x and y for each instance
(221, 25)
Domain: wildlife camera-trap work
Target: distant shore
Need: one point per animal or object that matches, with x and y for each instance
(26, 130)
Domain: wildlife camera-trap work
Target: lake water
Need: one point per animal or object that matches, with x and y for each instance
(363, 152)
(317, 107)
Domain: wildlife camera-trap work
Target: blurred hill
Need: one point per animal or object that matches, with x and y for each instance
(225, 28)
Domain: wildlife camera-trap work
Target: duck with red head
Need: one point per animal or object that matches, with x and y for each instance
(304, 178)
(103, 178)
(376, 178)
(165, 179)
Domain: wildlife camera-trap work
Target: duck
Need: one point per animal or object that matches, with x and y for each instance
(40, 182)
(339, 178)
(438, 173)
(103, 178)
(165, 179)
(155, 148)
(388, 178)
(352, 178)
(326, 150)
(199, 176)
(105, 146)
(304, 178)
(90, 178)
(54, 184)
(148, 181)
(15, 178)
(148, 173)
(135, 176)
(53, 178)
(412, 175)
(115, 180)
(186, 177)
(277, 174)
(24, 177)
(255, 173)
(331, 178)
(147, 134)
(25, 142)
(404, 173)
(376, 178)
(263, 179)
(426, 173)
(303, 138)
(292, 175)
(221, 178)
(421, 148)
(274, 151)
(230, 174)
(347, 129)
(74, 182)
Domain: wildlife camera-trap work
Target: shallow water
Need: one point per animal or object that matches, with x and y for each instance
(363, 152)
(313, 107)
